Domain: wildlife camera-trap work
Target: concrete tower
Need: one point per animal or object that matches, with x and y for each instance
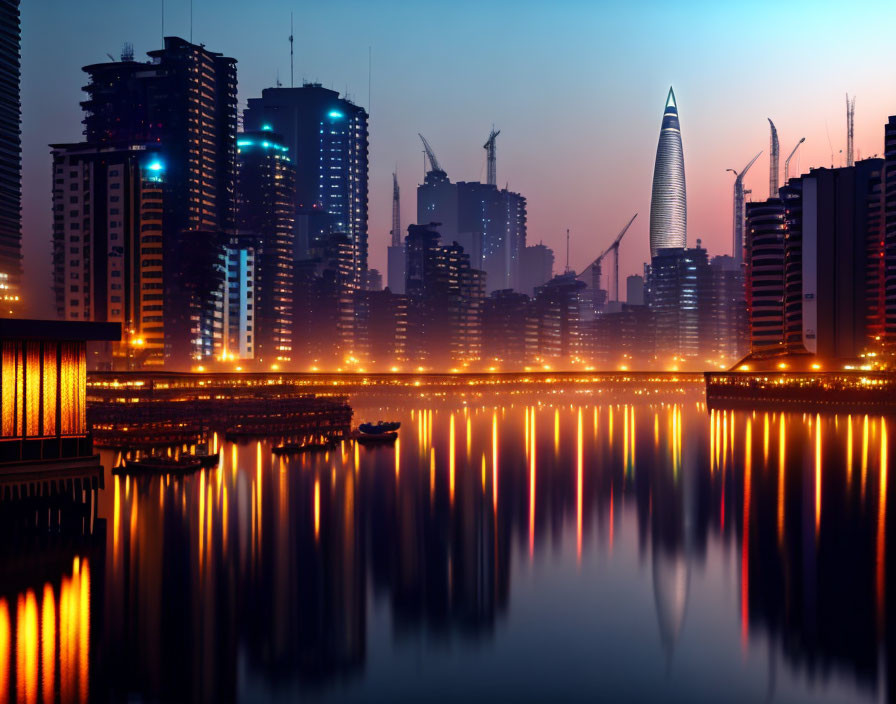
(668, 202)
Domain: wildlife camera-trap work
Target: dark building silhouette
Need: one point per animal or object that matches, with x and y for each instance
(490, 224)
(327, 139)
(505, 318)
(889, 239)
(621, 339)
(323, 305)
(536, 268)
(10, 158)
(183, 101)
(728, 326)
(555, 326)
(380, 330)
(444, 301)
(266, 193)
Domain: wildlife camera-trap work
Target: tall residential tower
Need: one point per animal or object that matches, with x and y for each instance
(10, 157)
(668, 202)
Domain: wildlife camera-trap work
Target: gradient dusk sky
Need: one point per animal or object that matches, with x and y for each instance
(576, 88)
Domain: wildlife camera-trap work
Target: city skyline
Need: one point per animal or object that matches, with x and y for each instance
(551, 170)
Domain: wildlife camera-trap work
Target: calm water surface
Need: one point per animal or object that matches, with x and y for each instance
(565, 552)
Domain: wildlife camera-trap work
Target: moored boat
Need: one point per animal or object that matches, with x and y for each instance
(158, 464)
(379, 427)
(376, 438)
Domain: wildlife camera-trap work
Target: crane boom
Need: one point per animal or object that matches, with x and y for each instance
(787, 160)
(433, 162)
(491, 157)
(615, 245)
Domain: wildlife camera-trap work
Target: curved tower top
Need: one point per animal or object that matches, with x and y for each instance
(668, 202)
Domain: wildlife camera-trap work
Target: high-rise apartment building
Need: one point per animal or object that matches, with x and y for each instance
(505, 317)
(265, 211)
(444, 301)
(182, 102)
(109, 245)
(765, 264)
(489, 223)
(668, 200)
(10, 159)
(678, 288)
(555, 334)
(815, 282)
(889, 239)
(327, 139)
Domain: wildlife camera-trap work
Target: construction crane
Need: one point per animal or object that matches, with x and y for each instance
(396, 211)
(491, 157)
(433, 162)
(737, 245)
(850, 126)
(787, 160)
(773, 171)
(595, 266)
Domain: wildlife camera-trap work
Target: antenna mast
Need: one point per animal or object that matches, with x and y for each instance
(567, 250)
(396, 211)
(291, 85)
(850, 125)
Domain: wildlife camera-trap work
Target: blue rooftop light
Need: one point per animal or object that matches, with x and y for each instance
(266, 127)
(335, 114)
(244, 142)
(155, 165)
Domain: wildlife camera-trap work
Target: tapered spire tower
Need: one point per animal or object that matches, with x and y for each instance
(668, 202)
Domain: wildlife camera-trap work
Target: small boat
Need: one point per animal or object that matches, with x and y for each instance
(204, 460)
(379, 427)
(383, 438)
(293, 448)
(159, 464)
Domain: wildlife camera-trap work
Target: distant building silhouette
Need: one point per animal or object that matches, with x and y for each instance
(444, 301)
(536, 268)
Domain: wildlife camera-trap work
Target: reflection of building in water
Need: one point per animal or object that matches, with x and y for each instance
(51, 559)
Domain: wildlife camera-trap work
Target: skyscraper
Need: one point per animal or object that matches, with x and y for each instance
(10, 158)
(183, 101)
(108, 258)
(668, 201)
(266, 178)
(327, 140)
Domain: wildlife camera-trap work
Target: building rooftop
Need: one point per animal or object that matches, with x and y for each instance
(30, 329)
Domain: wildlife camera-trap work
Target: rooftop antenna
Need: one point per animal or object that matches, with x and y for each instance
(369, 72)
(163, 19)
(830, 144)
(191, 21)
(290, 51)
(567, 250)
(850, 124)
